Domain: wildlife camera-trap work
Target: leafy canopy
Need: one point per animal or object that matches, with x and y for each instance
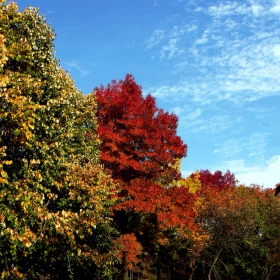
(139, 140)
(54, 195)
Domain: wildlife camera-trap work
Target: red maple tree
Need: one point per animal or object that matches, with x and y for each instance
(140, 148)
(139, 139)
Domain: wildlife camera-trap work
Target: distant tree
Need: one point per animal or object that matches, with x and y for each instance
(216, 180)
(54, 195)
(277, 189)
(239, 227)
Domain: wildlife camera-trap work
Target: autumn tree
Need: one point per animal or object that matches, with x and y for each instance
(241, 226)
(141, 149)
(260, 259)
(54, 195)
(215, 218)
(139, 140)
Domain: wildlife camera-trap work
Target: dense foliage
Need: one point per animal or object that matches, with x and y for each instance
(90, 186)
(54, 195)
(140, 148)
(140, 140)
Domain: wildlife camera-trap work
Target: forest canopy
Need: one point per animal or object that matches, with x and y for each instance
(91, 188)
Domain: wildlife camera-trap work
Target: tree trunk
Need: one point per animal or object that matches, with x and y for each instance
(213, 264)
(158, 272)
(125, 274)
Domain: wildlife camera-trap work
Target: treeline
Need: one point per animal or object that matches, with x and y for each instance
(90, 185)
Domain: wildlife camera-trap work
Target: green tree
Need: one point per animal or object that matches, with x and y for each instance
(54, 195)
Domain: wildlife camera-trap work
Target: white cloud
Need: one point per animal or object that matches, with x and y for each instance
(187, 112)
(235, 56)
(253, 146)
(171, 49)
(208, 126)
(193, 115)
(266, 175)
(257, 9)
(228, 55)
(191, 28)
(176, 92)
(229, 24)
(198, 9)
(177, 110)
(168, 40)
(201, 41)
(162, 92)
(73, 65)
(275, 9)
(156, 38)
(276, 50)
(228, 8)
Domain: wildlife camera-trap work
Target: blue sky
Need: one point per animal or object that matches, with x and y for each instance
(216, 64)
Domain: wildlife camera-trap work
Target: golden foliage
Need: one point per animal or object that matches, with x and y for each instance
(54, 193)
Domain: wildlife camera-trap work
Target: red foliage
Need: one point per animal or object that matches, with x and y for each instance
(131, 248)
(139, 139)
(140, 148)
(173, 206)
(217, 180)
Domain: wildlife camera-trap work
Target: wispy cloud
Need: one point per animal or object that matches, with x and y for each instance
(49, 12)
(252, 145)
(207, 126)
(193, 115)
(171, 49)
(75, 66)
(233, 55)
(225, 71)
(169, 41)
(228, 9)
(155, 39)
